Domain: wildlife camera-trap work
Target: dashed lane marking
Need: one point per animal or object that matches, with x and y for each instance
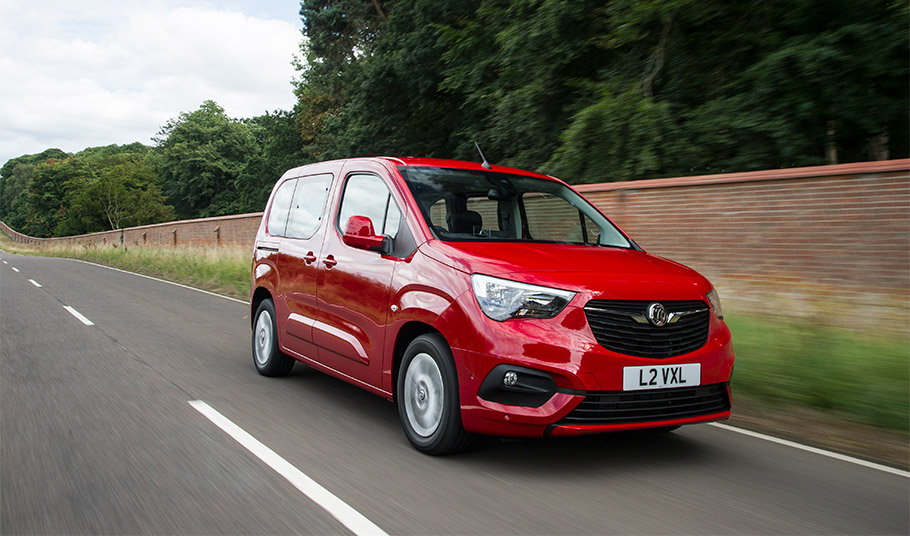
(78, 315)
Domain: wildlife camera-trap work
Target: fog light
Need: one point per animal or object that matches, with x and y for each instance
(515, 385)
(510, 378)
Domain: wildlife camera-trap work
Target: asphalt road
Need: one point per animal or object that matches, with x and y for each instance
(98, 437)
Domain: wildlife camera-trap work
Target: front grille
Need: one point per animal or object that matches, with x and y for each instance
(619, 407)
(615, 327)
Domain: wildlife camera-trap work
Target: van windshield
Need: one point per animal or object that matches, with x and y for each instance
(465, 205)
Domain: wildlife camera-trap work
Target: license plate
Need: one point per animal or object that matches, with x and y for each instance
(661, 377)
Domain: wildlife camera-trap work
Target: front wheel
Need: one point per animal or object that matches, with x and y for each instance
(427, 397)
(268, 358)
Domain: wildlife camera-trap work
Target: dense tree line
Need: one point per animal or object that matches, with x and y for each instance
(589, 91)
(58, 194)
(204, 163)
(602, 91)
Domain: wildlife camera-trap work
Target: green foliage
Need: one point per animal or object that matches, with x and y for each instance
(608, 91)
(280, 148)
(124, 192)
(212, 165)
(45, 201)
(206, 164)
(14, 177)
(623, 135)
(758, 86)
(200, 157)
(538, 53)
(339, 34)
(395, 105)
(100, 188)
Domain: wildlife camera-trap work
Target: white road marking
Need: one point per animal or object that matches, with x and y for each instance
(32, 281)
(15, 269)
(78, 315)
(4, 262)
(340, 510)
(807, 448)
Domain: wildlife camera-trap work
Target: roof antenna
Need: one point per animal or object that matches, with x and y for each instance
(485, 163)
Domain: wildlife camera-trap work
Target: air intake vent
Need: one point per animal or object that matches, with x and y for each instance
(619, 407)
(623, 327)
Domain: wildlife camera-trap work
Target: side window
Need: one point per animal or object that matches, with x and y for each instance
(367, 195)
(308, 205)
(281, 204)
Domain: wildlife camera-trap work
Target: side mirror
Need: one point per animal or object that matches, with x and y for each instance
(359, 233)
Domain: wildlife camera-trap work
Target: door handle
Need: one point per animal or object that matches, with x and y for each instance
(330, 261)
(309, 258)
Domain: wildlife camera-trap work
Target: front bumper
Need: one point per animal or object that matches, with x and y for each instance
(587, 395)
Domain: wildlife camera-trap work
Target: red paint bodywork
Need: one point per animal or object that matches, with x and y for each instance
(350, 312)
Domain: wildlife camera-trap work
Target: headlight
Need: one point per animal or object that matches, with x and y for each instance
(714, 300)
(501, 299)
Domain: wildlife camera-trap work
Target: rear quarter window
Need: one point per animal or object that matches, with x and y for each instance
(307, 207)
(281, 204)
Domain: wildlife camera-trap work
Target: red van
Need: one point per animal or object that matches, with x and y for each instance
(481, 300)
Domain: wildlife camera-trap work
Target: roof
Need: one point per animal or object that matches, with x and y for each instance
(456, 164)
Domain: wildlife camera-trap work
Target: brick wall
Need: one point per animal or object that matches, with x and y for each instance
(829, 243)
(224, 230)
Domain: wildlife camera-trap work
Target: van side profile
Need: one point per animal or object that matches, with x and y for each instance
(481, 300)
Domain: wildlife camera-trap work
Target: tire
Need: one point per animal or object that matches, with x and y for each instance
(268, 358)
(428, 399)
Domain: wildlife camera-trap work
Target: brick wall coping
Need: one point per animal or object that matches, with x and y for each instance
(857, 168)
(196, 220)
(165, 224)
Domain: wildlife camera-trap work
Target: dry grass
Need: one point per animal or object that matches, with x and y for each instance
(224, 269)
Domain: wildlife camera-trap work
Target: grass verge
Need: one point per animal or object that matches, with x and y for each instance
(786, 363)
(224, 269)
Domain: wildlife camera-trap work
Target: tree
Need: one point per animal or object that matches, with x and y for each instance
(200, 157)
(339, 34)
(14, 177)
(281, 148)
(45, 203)
(396, 104)
(122, 192)
(738, 87)
(623, 135)
(520, 65)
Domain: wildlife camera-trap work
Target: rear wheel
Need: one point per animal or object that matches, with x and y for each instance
(427, 396)
(268, 358)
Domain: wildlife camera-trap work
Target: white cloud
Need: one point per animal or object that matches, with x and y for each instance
(102, 72)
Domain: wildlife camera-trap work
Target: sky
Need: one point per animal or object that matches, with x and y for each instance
(98, 72)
